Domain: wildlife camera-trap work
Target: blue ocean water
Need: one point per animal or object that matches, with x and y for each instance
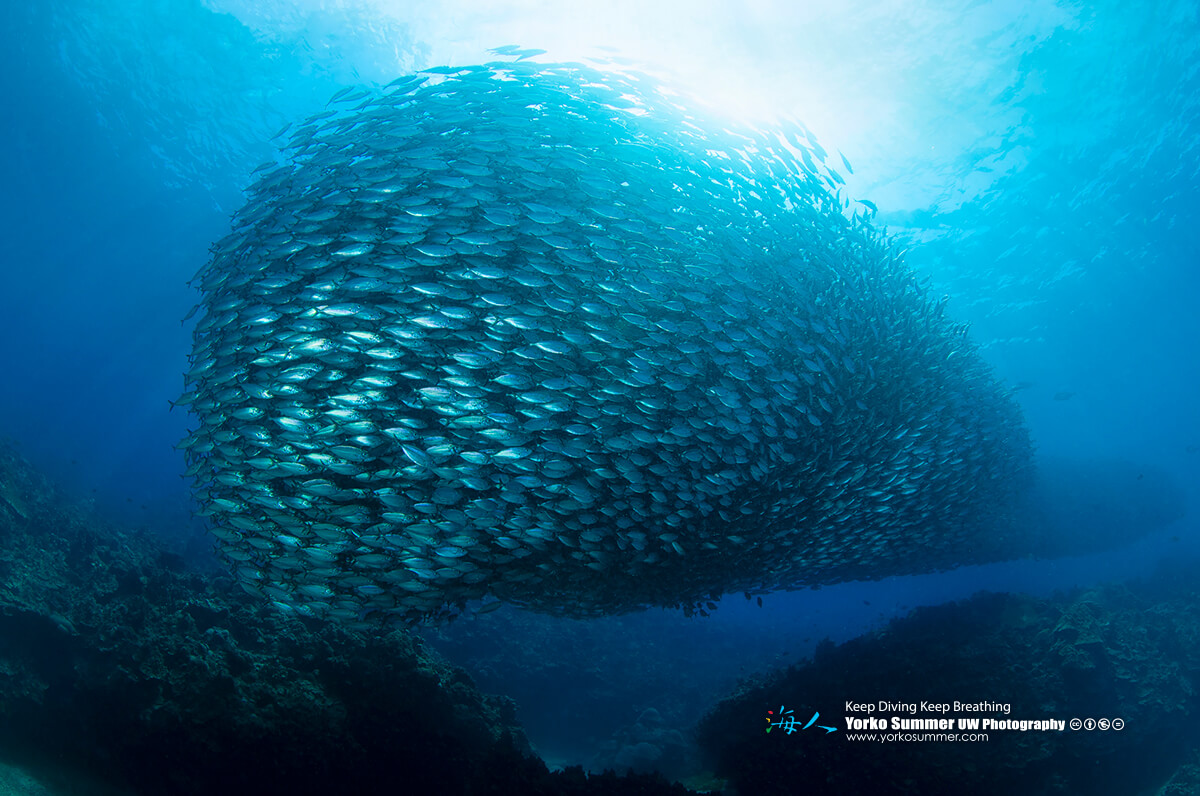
(1039, 158)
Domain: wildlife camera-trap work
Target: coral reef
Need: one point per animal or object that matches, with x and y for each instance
(117, 659)
(650, 744)
(1185, 781)
(1129, 651)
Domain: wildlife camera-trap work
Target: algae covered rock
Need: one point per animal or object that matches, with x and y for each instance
(1128, 652)
(118, 660)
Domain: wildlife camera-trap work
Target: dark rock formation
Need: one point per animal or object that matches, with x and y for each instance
(117, 659)
(1129, 652)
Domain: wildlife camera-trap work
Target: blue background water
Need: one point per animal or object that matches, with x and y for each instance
(1042, 158)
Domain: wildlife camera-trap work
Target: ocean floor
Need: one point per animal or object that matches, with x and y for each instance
(16, 780)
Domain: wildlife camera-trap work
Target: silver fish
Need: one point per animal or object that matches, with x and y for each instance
(590, 353)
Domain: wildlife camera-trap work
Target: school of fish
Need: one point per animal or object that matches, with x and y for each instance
(545, 334)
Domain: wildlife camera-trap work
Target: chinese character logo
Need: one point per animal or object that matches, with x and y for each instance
(785, 721)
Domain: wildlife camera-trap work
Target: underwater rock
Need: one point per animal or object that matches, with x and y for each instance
(546, 333)
(1128, 652)
(640, 757)
(1185, 781)
(160, 680)
(16, 782)
(648, 745)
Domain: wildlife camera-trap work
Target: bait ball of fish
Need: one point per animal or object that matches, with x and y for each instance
(545, 333)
